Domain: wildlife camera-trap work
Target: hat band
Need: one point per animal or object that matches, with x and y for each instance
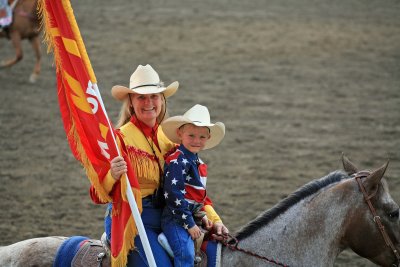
(145, 85)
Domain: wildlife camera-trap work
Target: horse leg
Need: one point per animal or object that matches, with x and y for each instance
(16, 41)
(36, 48)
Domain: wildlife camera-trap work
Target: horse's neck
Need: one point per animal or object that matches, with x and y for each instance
(305, 235)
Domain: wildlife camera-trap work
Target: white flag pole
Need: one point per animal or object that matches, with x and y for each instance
(129, 192)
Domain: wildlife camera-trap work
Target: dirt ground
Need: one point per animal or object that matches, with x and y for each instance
(296, 83)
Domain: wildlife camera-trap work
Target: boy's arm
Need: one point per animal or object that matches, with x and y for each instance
(174, 193)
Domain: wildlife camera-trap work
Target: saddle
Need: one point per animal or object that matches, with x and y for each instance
(92, 253)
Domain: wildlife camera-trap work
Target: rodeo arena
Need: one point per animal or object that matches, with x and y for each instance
(199, 133)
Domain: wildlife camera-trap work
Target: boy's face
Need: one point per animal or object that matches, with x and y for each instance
(193, 137)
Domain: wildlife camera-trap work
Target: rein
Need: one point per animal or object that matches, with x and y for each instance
(377, 219)
(233, 245)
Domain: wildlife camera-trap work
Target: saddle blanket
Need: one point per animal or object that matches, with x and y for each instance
(5, 14)
(67, 251)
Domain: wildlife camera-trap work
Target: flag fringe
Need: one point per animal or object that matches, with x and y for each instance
(129, 236)
(73, 136)
(48, 37)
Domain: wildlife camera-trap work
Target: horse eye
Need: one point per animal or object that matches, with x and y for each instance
(394, 214)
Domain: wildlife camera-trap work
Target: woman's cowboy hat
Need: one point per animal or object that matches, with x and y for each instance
(144, 80)
(199, 116)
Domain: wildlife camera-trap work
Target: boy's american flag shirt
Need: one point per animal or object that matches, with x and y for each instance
(185, 179)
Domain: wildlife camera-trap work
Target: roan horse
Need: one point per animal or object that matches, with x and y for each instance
(308, 228)
(25, 25)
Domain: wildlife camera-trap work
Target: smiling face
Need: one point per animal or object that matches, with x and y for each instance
(193, 137)
(147, 107)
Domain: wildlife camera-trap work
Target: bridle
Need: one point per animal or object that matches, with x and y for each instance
(233, 242)
(358, 176)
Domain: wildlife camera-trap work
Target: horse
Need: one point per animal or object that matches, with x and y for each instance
(310, 227)
(25, 25)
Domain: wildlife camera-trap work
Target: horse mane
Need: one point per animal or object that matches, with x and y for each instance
(301, 193)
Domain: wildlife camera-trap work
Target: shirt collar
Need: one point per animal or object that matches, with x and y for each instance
(190, 155)
(147, 130)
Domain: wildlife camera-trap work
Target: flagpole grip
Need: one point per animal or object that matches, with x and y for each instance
(139, 224)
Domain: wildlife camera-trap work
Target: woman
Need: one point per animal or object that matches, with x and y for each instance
(145, 146)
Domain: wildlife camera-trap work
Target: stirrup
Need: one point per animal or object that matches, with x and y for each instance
(106, 244)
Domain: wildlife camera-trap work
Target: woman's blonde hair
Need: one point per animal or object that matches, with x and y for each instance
(127, 111)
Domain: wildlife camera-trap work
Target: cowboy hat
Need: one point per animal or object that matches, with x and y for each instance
(144, 80)
(199, 116)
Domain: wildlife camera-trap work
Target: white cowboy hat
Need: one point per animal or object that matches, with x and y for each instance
(144, 80)
(199, 116)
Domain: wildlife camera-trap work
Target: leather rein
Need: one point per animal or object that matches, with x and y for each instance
(377, 219)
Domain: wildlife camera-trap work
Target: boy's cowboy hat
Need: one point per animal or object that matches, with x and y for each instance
(144, 80)
(199, 116)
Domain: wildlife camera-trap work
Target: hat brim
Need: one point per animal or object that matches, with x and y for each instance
(120, 92)
(170, 125)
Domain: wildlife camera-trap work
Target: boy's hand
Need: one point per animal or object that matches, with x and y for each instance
(194, 232)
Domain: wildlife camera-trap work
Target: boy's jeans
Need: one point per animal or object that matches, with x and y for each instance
(180, 241)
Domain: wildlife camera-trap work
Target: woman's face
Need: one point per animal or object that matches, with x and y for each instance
(147, 107)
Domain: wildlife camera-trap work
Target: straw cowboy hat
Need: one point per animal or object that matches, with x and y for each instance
(199, 116)
(144, 80)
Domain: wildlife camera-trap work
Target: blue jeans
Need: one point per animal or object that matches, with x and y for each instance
(180, 241)
(151, 218)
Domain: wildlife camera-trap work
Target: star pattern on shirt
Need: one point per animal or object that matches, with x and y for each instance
(188, 178)
(183, 171)
(183, 191)
(184, 161)
(174, 181)
(184, 216)
(174, 161)
(178, 202)
(186, 226)
(166, 195)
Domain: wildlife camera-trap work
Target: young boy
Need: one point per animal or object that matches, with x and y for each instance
(185, 177)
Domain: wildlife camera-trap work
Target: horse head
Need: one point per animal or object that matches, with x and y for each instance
(374, 226)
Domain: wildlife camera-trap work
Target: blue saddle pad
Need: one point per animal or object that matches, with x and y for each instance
(67, 251)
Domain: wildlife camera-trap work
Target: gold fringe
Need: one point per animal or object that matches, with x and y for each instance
(146, 167)
(48, 38)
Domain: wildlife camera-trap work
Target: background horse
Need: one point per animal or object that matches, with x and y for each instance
(25, 25)
(308, 228)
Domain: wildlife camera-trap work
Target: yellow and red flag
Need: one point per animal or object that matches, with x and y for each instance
(89, 132)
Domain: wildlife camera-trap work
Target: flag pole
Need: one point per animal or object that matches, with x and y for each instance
(131, 198)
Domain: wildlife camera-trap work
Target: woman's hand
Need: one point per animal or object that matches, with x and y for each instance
(221, 232)
(194, 232)
(118, 167)
(206, 223)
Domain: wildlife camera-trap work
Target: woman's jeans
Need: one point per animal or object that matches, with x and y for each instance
(151, 218)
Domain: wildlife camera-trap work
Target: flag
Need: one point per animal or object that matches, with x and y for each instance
(89, 132)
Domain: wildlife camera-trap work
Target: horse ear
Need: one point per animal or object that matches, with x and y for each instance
(348, 166)
(375, 177)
